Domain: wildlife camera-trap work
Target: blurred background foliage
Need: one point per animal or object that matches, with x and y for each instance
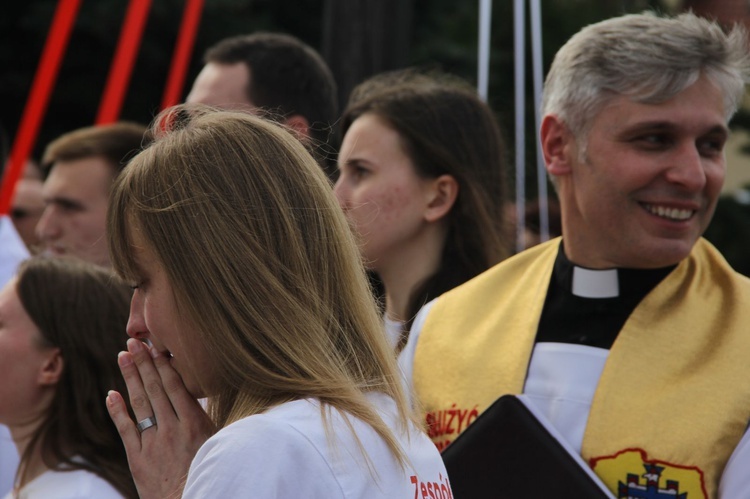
(432, 33)
(358, 38)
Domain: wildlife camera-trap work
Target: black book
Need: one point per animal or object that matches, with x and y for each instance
(508, 453)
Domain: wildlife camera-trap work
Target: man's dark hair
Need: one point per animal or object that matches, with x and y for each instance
(287, 77)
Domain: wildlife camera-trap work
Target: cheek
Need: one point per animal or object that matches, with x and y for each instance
(383, 206)
(715, 180)
(94, 225)
(81, 230)
(395, 204)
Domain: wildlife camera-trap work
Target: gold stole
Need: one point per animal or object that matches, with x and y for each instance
(674, 385)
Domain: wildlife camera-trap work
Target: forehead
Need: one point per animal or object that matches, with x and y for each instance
(28, 191)
(222, 85)
(87, 177)
(140, 257)
(370, 132)
(137, 250)
(699, 108)
(10, 304)
(6, 293)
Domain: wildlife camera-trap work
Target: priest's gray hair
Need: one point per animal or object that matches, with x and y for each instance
(646, 57)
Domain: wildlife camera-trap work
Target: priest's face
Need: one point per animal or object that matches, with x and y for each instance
(646, 186)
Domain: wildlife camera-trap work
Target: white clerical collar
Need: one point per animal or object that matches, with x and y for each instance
(589, 283)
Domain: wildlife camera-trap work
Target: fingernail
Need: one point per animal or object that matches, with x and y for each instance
(134, 346)
(153, 351)
(124, 359)
(111, 397)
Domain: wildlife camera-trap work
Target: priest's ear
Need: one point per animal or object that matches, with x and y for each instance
(442, 193)
(51, 368)
(558, 145)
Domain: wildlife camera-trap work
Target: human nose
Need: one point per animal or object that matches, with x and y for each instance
(47, 228)
(689, 169)
(136, 327)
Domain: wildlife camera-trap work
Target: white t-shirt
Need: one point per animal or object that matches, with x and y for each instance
(561, 382)
(286, 452)
(8, 461)
(77, 484)
(393, 330)
(12, 252)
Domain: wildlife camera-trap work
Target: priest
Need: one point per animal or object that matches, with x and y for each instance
(630, 333)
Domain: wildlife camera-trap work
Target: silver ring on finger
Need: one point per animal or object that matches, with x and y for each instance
(145, 424)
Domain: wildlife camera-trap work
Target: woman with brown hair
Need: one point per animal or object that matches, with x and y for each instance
(62, 323)
(250, 289)
(422, 180)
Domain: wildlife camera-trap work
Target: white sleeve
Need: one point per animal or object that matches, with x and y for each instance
(267, 459)
(8, 460)
(735, 480)
(12, 250)
(406, 357)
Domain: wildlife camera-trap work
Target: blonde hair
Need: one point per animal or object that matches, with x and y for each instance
(261, 261)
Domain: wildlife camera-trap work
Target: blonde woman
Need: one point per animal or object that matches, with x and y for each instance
(249, 288)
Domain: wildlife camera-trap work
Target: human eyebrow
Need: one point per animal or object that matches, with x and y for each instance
(645, 127)
(65, 203)
(357, 161)
(666, 126)
(718, 131)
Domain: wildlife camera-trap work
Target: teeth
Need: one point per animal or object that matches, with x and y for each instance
(670, 213)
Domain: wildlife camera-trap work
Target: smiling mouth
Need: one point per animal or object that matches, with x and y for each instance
(676, 214)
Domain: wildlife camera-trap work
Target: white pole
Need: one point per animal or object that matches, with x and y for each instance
(520, 83)
(541, 173)
(483, 64)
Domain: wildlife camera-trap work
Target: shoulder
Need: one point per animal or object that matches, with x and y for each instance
(78, 484)
(706, 260)
(502, 278)
(272, 452)
(291, 426)
(12, 250)
(299, 450)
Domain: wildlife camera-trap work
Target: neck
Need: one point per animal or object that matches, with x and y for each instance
(30, 468)
(406, 270)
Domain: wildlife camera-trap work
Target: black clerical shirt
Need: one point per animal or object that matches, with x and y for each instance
(592, 321)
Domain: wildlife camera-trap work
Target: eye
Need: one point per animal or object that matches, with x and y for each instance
(18, 213)
(653, 141)
(711, 147)
(359, 172)
(354, 171)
